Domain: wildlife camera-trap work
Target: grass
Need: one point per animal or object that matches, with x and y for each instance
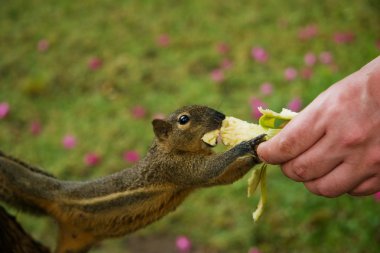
(57, 88)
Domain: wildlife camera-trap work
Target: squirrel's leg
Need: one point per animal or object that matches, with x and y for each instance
(240, 166)
(25, 187)
(235, 171)
(234, 163)
(71, 240)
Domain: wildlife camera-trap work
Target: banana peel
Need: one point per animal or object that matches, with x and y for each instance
(234, 131)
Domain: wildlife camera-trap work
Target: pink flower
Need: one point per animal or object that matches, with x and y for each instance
(69, 141)
(344, 37)
(35, 127)
(131, 156)
(163, 40)
(226, 64)
(43, 45)
(217, 75)
(308, 32)
(259, 54)
(325, 57)
(295, 104)
(266, 89)
(377, 196)
(290, 74)
(306, 73)
(183, 244)
(92, 159)
(4, 109)
(222, 48)
(255, 103)
(94, 63)
(310, 59)
(254, 250)
(138, 112)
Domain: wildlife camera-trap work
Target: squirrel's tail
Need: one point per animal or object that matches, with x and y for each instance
(26, 187)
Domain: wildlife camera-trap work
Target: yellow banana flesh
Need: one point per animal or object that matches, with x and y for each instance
(234, 131)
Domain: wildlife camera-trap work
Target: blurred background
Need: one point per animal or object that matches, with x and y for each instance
(80, 82)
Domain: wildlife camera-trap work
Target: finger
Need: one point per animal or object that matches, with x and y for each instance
(340, 180)
(314, 162)
(296, 137)
(368, 187)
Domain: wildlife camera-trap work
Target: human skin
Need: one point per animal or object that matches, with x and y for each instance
(333, 145)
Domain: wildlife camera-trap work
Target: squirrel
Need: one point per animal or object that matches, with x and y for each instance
(177, 163)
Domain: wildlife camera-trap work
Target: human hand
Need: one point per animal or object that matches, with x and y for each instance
(333, 145)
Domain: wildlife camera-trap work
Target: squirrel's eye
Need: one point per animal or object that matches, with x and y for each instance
(183, 119)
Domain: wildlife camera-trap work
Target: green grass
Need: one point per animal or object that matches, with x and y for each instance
(58, 89)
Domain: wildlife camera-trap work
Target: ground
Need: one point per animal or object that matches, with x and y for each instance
(80, 82)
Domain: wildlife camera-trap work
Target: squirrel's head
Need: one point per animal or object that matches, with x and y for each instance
(183, 129)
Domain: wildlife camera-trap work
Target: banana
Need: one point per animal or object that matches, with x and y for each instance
(234, 131)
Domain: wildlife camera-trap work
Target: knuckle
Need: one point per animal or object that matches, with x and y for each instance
(301, 173)
(299, 170)
(286, 145)
(321, 189)
(372, 160)
(367, 188)
(354, 137)
(297, 174)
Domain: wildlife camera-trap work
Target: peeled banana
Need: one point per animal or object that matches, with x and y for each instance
(234, 131)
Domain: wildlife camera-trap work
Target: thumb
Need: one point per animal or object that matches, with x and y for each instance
(298, 135)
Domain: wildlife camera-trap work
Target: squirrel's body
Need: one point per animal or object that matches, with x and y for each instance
(177, 163)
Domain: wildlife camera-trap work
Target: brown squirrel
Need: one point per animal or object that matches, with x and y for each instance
(177, 163)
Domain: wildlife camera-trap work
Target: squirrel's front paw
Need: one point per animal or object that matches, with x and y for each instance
(250, 147)
(254, 143)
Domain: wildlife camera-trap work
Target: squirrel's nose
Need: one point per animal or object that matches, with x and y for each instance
(220, 116)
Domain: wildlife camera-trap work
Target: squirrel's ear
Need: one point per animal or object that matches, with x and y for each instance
(161, 128)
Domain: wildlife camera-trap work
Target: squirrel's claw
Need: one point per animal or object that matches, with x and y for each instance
(254, 143)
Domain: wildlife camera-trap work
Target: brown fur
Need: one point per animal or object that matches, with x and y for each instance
(177, 163)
